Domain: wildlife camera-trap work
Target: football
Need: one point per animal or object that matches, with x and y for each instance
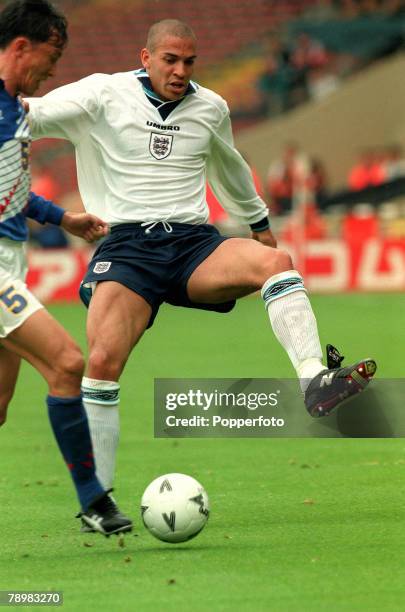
(175, 508)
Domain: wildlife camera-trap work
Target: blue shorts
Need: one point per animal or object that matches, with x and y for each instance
(155, 265)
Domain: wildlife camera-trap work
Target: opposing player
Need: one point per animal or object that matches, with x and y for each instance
(145, 141)
(32, 38)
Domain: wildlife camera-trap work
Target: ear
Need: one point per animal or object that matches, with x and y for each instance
(145, 58)
(21, 45)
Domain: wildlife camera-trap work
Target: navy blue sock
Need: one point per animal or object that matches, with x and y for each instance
(71, 429)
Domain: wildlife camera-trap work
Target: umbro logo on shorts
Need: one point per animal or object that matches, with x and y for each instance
(101, 267)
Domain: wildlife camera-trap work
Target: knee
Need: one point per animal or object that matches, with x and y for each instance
(282, 262)
(103, 365)
(70, 363)
(274, 262)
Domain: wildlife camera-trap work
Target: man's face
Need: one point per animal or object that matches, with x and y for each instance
(37, 64)
(170, 66)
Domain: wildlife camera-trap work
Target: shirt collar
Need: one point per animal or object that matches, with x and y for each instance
(144, 79)
(164, 107)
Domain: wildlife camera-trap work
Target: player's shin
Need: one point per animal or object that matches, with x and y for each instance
(71, 430)
(101, 400)
(294, 323)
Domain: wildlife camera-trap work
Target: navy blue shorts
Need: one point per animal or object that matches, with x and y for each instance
(155, 265)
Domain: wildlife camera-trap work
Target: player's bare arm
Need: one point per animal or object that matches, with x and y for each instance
(86, 226)
(266, 237)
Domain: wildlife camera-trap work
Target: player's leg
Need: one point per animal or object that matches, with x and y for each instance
(236, 268)
(9, 368)
(116, 320)
(28, 331)
(239, 266)
(43, 342)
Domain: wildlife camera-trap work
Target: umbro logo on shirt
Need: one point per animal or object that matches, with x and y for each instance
(169, 128)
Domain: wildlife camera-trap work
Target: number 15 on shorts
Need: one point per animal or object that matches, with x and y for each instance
(13, 301)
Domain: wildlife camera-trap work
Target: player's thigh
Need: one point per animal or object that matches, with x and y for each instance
(237, 267)
(116, 320)
(9, 368)
(44, 343)
(25, 327)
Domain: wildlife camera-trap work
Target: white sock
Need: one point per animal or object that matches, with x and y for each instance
(294, 323)
(101, 400)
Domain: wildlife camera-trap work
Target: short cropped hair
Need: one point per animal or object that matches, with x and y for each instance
(37, 20)
(171, 27)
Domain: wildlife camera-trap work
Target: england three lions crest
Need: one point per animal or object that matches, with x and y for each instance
(160, 145)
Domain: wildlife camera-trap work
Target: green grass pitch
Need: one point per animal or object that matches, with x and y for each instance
(296, 524)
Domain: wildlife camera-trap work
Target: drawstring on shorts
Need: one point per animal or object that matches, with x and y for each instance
(151, 224)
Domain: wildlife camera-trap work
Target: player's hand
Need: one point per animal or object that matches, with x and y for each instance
(265, 238)
(84, 225)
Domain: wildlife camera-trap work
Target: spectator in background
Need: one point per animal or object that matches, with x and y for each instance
(278, 78)
(296, 176)
(369, 171)
(311, 63)
(308, 54)
(318, 181)
(287, 175)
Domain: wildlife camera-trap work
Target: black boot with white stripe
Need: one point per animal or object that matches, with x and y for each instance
(331, 387)
(104, 516)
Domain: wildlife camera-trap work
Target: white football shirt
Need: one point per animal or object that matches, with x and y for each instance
(140, 159)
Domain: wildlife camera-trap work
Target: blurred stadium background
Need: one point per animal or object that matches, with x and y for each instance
(316, 92)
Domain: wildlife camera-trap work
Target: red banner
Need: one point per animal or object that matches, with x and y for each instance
(55, 274)
(335, 265)
(329, 266)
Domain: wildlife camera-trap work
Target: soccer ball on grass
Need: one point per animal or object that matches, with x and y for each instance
(175, 507)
